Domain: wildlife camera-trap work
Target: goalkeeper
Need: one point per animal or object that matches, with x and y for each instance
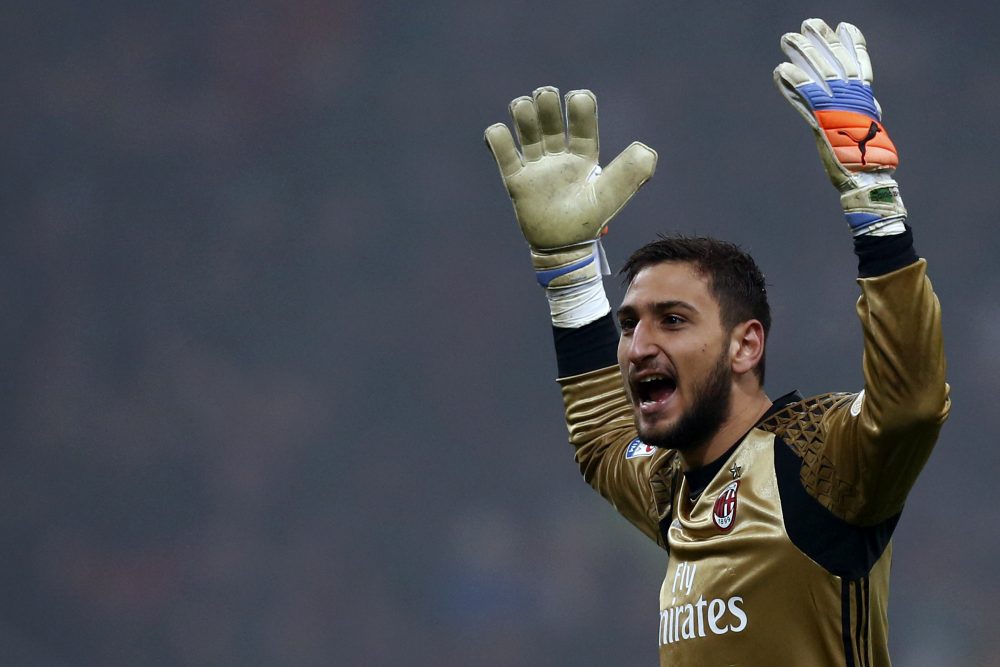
(777, 515)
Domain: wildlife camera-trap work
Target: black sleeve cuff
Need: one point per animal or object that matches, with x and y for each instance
(586, 348)
(879, 255)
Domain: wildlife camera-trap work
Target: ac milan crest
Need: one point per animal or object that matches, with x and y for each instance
(724, 511)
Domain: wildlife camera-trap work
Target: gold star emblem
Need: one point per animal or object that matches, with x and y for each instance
(735, 470)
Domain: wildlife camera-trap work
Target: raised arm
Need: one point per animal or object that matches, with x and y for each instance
(563, 202)
(869, 448)
(562, 198)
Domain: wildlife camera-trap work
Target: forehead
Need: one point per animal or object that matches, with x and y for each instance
(670, 281)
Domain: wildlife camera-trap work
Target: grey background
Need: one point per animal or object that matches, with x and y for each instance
(279, 384)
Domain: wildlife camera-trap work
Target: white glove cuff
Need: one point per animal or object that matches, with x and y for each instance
(572, 281)
(884, 228)
(872, 206)
(572, 307)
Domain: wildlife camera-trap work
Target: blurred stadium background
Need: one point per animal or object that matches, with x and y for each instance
(279, 382)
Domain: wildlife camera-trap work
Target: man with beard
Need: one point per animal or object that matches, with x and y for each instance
(777, 515)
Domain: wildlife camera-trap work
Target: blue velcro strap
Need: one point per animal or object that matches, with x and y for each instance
(546, 277)
(861, 220)
(851, 95)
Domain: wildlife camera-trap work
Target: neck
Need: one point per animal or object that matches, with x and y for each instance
(746, 409)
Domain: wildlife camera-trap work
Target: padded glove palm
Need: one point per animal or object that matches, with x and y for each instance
(562, 199)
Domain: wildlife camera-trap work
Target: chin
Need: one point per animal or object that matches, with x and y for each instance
(657, 433)
(687, 431)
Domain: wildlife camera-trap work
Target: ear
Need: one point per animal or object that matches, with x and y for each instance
(746, 344)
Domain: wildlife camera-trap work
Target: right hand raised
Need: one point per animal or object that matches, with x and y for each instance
(561, 196)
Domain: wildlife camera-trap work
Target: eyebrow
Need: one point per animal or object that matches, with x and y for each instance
(659, 307)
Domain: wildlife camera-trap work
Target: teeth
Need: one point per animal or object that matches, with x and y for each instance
(651, 378)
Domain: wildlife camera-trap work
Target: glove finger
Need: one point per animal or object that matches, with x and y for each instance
(805, 56)
(624, 176)
(857, 49)
(792, 75)
(529, 132)
(581, 110)
(788, 77)
(827, 44)
(501, 144)
(550, 119)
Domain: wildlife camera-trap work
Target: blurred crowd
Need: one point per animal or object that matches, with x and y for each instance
(279, 385)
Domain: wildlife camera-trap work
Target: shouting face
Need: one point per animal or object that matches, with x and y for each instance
(674, 355)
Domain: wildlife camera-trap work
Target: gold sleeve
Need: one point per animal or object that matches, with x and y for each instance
(601, 428)
(867, 449)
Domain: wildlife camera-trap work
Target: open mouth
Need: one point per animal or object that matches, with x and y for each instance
(653, 390)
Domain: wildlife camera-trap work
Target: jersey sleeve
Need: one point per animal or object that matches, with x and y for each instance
(872, 445)
(637, 480)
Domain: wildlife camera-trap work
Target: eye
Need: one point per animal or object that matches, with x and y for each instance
(673, 320)
(627, 324)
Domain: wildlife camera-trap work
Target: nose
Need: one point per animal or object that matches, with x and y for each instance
(642, 343)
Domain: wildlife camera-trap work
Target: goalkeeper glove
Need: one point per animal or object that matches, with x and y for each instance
(562, 199)
(829, 83)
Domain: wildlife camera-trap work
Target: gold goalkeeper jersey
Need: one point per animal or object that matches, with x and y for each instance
(783, 558)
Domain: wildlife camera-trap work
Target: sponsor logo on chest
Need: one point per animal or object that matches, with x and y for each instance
(701, 617)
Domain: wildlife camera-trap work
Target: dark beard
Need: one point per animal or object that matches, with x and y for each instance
(710, 408)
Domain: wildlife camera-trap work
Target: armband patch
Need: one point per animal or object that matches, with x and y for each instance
(638, 449)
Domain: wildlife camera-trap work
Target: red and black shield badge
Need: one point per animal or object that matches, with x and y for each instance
(724, 511)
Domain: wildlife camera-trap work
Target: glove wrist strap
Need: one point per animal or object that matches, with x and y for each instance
(573, 307)
(874, 207)
(573, 285)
